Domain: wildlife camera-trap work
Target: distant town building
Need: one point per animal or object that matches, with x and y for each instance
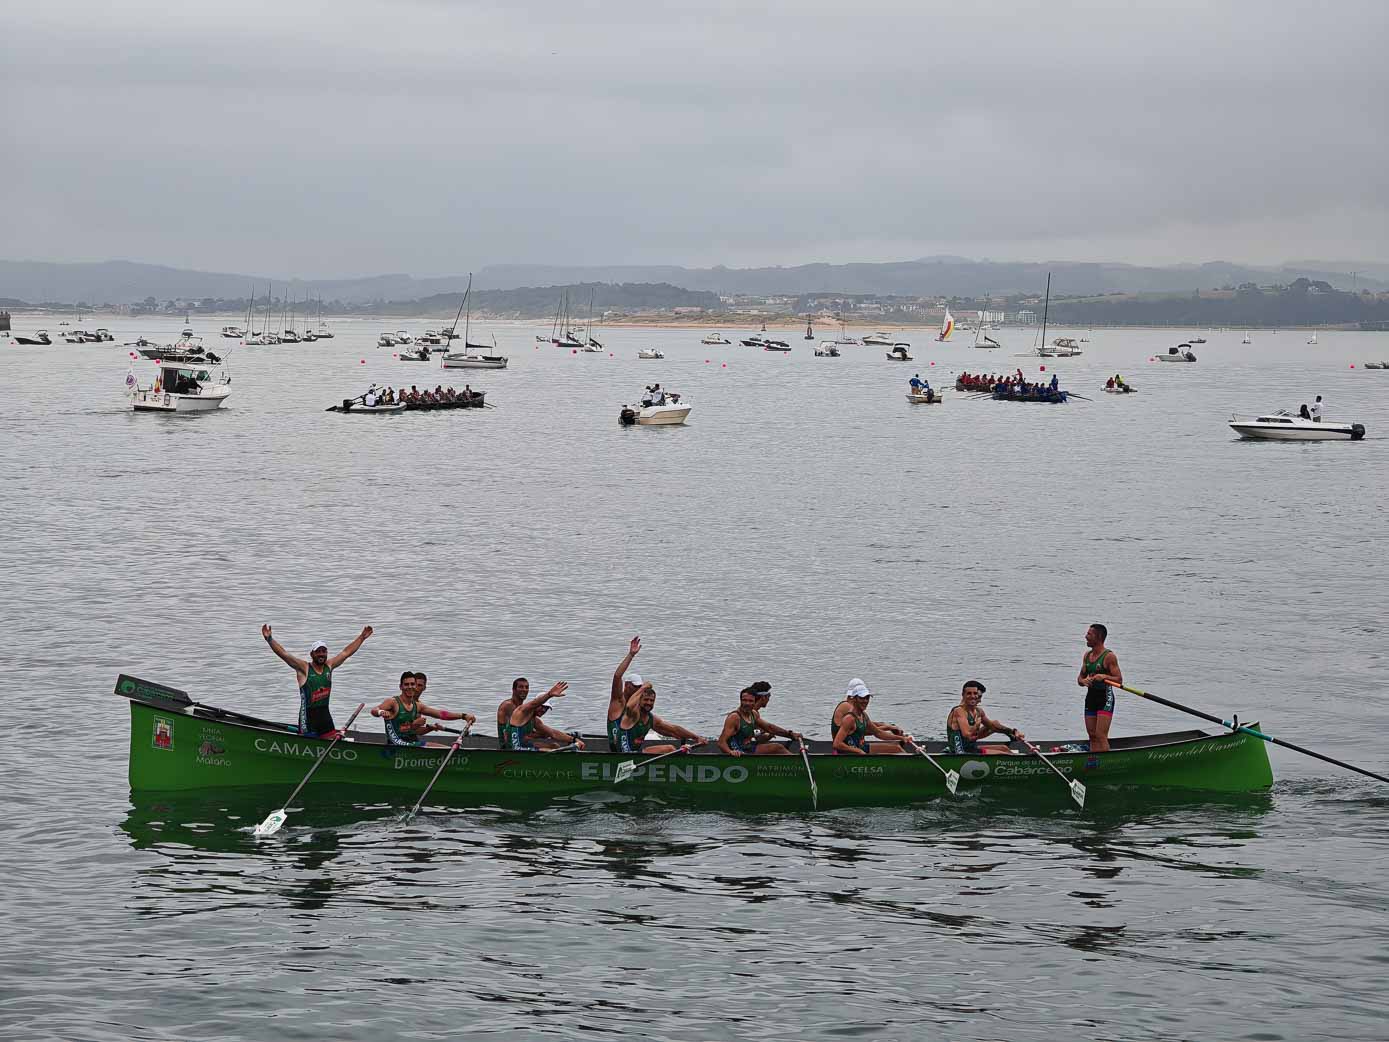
(1027, 318)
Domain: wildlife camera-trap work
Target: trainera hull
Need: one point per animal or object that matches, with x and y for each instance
(177, 747)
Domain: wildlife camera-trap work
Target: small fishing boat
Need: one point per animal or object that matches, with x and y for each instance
(402, 337)
(651, 352)
(827, 349)
(1180, 353)
(1197, 340)
(926, 398)
(658, 409)
(177, 744)
(899, 354)
(715, 340)
(1368, 365)
(102, 336)
(180, 387)
(387, 340)
(1284, 426)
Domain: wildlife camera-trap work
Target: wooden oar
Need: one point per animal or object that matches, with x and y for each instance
(447, 757)
(1072, 394)
(561, 748)
(952, 778)
(273, 823)
(628, 767)
(814, 789)
(1235, 725)
(1076, 787)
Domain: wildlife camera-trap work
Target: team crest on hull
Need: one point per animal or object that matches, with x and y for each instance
(163, 733)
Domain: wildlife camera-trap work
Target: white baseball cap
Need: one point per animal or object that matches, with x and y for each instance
(316, 645)
(858, 689)
(634, 679)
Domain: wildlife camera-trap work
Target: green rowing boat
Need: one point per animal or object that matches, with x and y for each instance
(178, 744)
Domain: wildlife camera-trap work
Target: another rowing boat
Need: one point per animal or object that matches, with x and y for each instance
(178, 744)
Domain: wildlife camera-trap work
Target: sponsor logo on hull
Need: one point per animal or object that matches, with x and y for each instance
(307, 752)
(670, 773)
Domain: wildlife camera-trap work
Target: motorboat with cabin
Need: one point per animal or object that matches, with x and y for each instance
(39, 339)
(402, 337)
(102, 336)
(715, 340)
(180, 387)
(756, 340)
(827, 349)
(651, 352)
(387, 340)
(1285, 426)
(780, 346)
(899, 354)
(189, 351)
(233, 332)
(1065, 347)
(1180, 353)
(659, 408)
(418, 354)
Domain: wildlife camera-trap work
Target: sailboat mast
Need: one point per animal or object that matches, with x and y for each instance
(1046, 307)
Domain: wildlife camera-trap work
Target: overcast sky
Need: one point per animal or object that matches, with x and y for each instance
(351, 137)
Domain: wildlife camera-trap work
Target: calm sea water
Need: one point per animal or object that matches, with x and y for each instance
(809, 525)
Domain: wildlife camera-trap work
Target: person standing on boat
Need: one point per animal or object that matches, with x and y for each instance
(624, 686)
(850, 725)
(1316, 410)
(520, 688)
(640, 717)
(525, 732)
(315, 679)
(1099, 669)
(915, 383)
(407, 718)
(967, 724)
(740, 726)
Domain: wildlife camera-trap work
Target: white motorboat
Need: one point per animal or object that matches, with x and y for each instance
(756, 340)
(180, 388)
(1368, 365)
(429, 336)
(1180, 353)
(387, 340)
(878, 339)
(103, 336)
(415, 354)
(715, 339)
(74, 336)
(1284, 426)
(39, 339)
(927, 398)
(651, 352)
(827, 349)
(658, 409)
(402, 337)
(776, 345)
(1197, 340)
(1065, 347)
(899, 354)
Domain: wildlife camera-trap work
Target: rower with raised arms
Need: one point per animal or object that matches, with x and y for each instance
(1099, 675)
(967, 724)
(740, 726)
(315, 679)
(526, 732)
(407, 718)
(640, 717)
(624, 686)
(851, 727)
(520, 688)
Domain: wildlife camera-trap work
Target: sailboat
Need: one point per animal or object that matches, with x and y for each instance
(982, 339)
(473, 356)
(553, 338)
(947, 326)
(844, 339)
(809, 329)
(1246, 339)
(264, 337)
(1314, 337)
(592, 345)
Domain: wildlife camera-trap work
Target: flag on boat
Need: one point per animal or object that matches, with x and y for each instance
(947, 326)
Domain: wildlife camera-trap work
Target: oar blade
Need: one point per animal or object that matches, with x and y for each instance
(1078, 793)
(952, 782)
(271, 824)
(625, 770)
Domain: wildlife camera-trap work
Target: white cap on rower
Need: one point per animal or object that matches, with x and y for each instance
(634, 679)
(858, 689)
(316, 645)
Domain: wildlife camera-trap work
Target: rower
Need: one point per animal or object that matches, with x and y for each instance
(526, 732)
(315, 678)
(850, 725)
(520, 688)
(967, 723)
(640, 717)
(740, 726)
(1099, 669)
(406, 716)
(624, 686)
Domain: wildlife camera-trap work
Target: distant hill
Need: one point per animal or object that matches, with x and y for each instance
(123, 282)
(542, 301)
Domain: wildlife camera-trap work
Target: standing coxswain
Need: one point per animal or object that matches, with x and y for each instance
(851, 727)
(315, 678)
(407, 718)
(1099, 669)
